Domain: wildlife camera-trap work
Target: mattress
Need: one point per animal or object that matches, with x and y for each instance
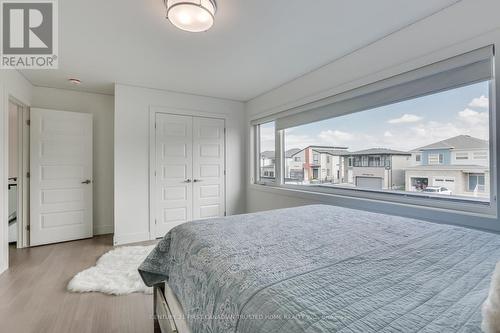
(325, 269)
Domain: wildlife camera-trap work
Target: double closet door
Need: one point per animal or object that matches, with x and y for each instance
(189, 170)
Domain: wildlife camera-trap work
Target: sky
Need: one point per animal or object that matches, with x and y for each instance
(402, 126)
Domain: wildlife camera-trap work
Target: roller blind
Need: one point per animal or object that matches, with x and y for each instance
(465, 69)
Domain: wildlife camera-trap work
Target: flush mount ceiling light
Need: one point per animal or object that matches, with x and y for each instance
(191, 15)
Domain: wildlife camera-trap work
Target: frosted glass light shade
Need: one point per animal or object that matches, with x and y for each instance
(191, 15)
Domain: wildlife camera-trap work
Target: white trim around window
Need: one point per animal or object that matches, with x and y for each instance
(260, 174)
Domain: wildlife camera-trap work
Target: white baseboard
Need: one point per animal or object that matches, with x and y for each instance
(3, 268)
(130, 238)
(103, 229)
(4, 253)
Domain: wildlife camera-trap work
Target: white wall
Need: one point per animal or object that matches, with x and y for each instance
(12, 85)
(132, 116)
(13, 132)
(463, 27)
(102, 109)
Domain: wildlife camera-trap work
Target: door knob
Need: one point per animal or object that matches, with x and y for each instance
(187, 181)
(88, 181)
(196, 180)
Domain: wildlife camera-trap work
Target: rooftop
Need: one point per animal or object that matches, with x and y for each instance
(268, 154)
(290, 152)
(332, 150)
(457, 142)
(326, 147)
(336, 152)
(379, 151)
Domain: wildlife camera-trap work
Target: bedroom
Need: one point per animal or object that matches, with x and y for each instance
(382, 113)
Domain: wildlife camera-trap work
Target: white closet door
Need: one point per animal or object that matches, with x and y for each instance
(61, 176)
(173, 179)
(208, 167)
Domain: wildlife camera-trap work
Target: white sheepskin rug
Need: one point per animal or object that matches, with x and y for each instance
(491, 307)
(115, 273)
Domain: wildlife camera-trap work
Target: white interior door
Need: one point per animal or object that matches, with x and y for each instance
(173, 171)
(60, 176)
(208, 168)
(189, 175)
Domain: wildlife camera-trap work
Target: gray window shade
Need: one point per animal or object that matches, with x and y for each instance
(468, 68)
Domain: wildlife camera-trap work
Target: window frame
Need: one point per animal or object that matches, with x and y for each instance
(477, 176)
(257, 172)
(439, 158)
(482, 157)
(416, 200)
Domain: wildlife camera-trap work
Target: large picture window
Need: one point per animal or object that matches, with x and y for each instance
(404, 147)
(423, 135)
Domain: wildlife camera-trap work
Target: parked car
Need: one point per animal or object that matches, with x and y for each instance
(437, 190)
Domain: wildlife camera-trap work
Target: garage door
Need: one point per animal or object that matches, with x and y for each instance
(369, 182)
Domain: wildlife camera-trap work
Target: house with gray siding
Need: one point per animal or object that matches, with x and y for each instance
(377, 168)
(267, 164)
(459, 164)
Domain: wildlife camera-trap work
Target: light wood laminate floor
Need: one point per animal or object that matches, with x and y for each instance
(33, 296)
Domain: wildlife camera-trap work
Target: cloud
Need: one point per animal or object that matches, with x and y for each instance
(300, 140)
(466, 122)
(267, 138)
(335, 136)
(406, 136)
(473, 117)
(404, 119)
(480, 102)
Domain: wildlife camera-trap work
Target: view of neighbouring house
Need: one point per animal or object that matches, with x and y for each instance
(267, 162)
(290, 171)
(316, 164)
(378, 168)
(459, 164)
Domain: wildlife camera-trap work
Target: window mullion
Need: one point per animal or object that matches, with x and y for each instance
(257, 154)
(279, 157)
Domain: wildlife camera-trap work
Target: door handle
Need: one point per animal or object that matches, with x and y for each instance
(187, 181)
(88, 181)
(196, 180)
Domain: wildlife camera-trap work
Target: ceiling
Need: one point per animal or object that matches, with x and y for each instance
(253, 47)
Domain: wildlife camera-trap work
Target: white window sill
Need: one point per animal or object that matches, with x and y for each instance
(485, 221)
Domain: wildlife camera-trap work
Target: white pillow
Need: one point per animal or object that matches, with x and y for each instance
(491, 307)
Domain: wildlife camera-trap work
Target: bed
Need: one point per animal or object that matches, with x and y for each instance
(321, 269)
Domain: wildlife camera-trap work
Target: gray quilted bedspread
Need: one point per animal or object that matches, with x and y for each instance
(325, 269)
